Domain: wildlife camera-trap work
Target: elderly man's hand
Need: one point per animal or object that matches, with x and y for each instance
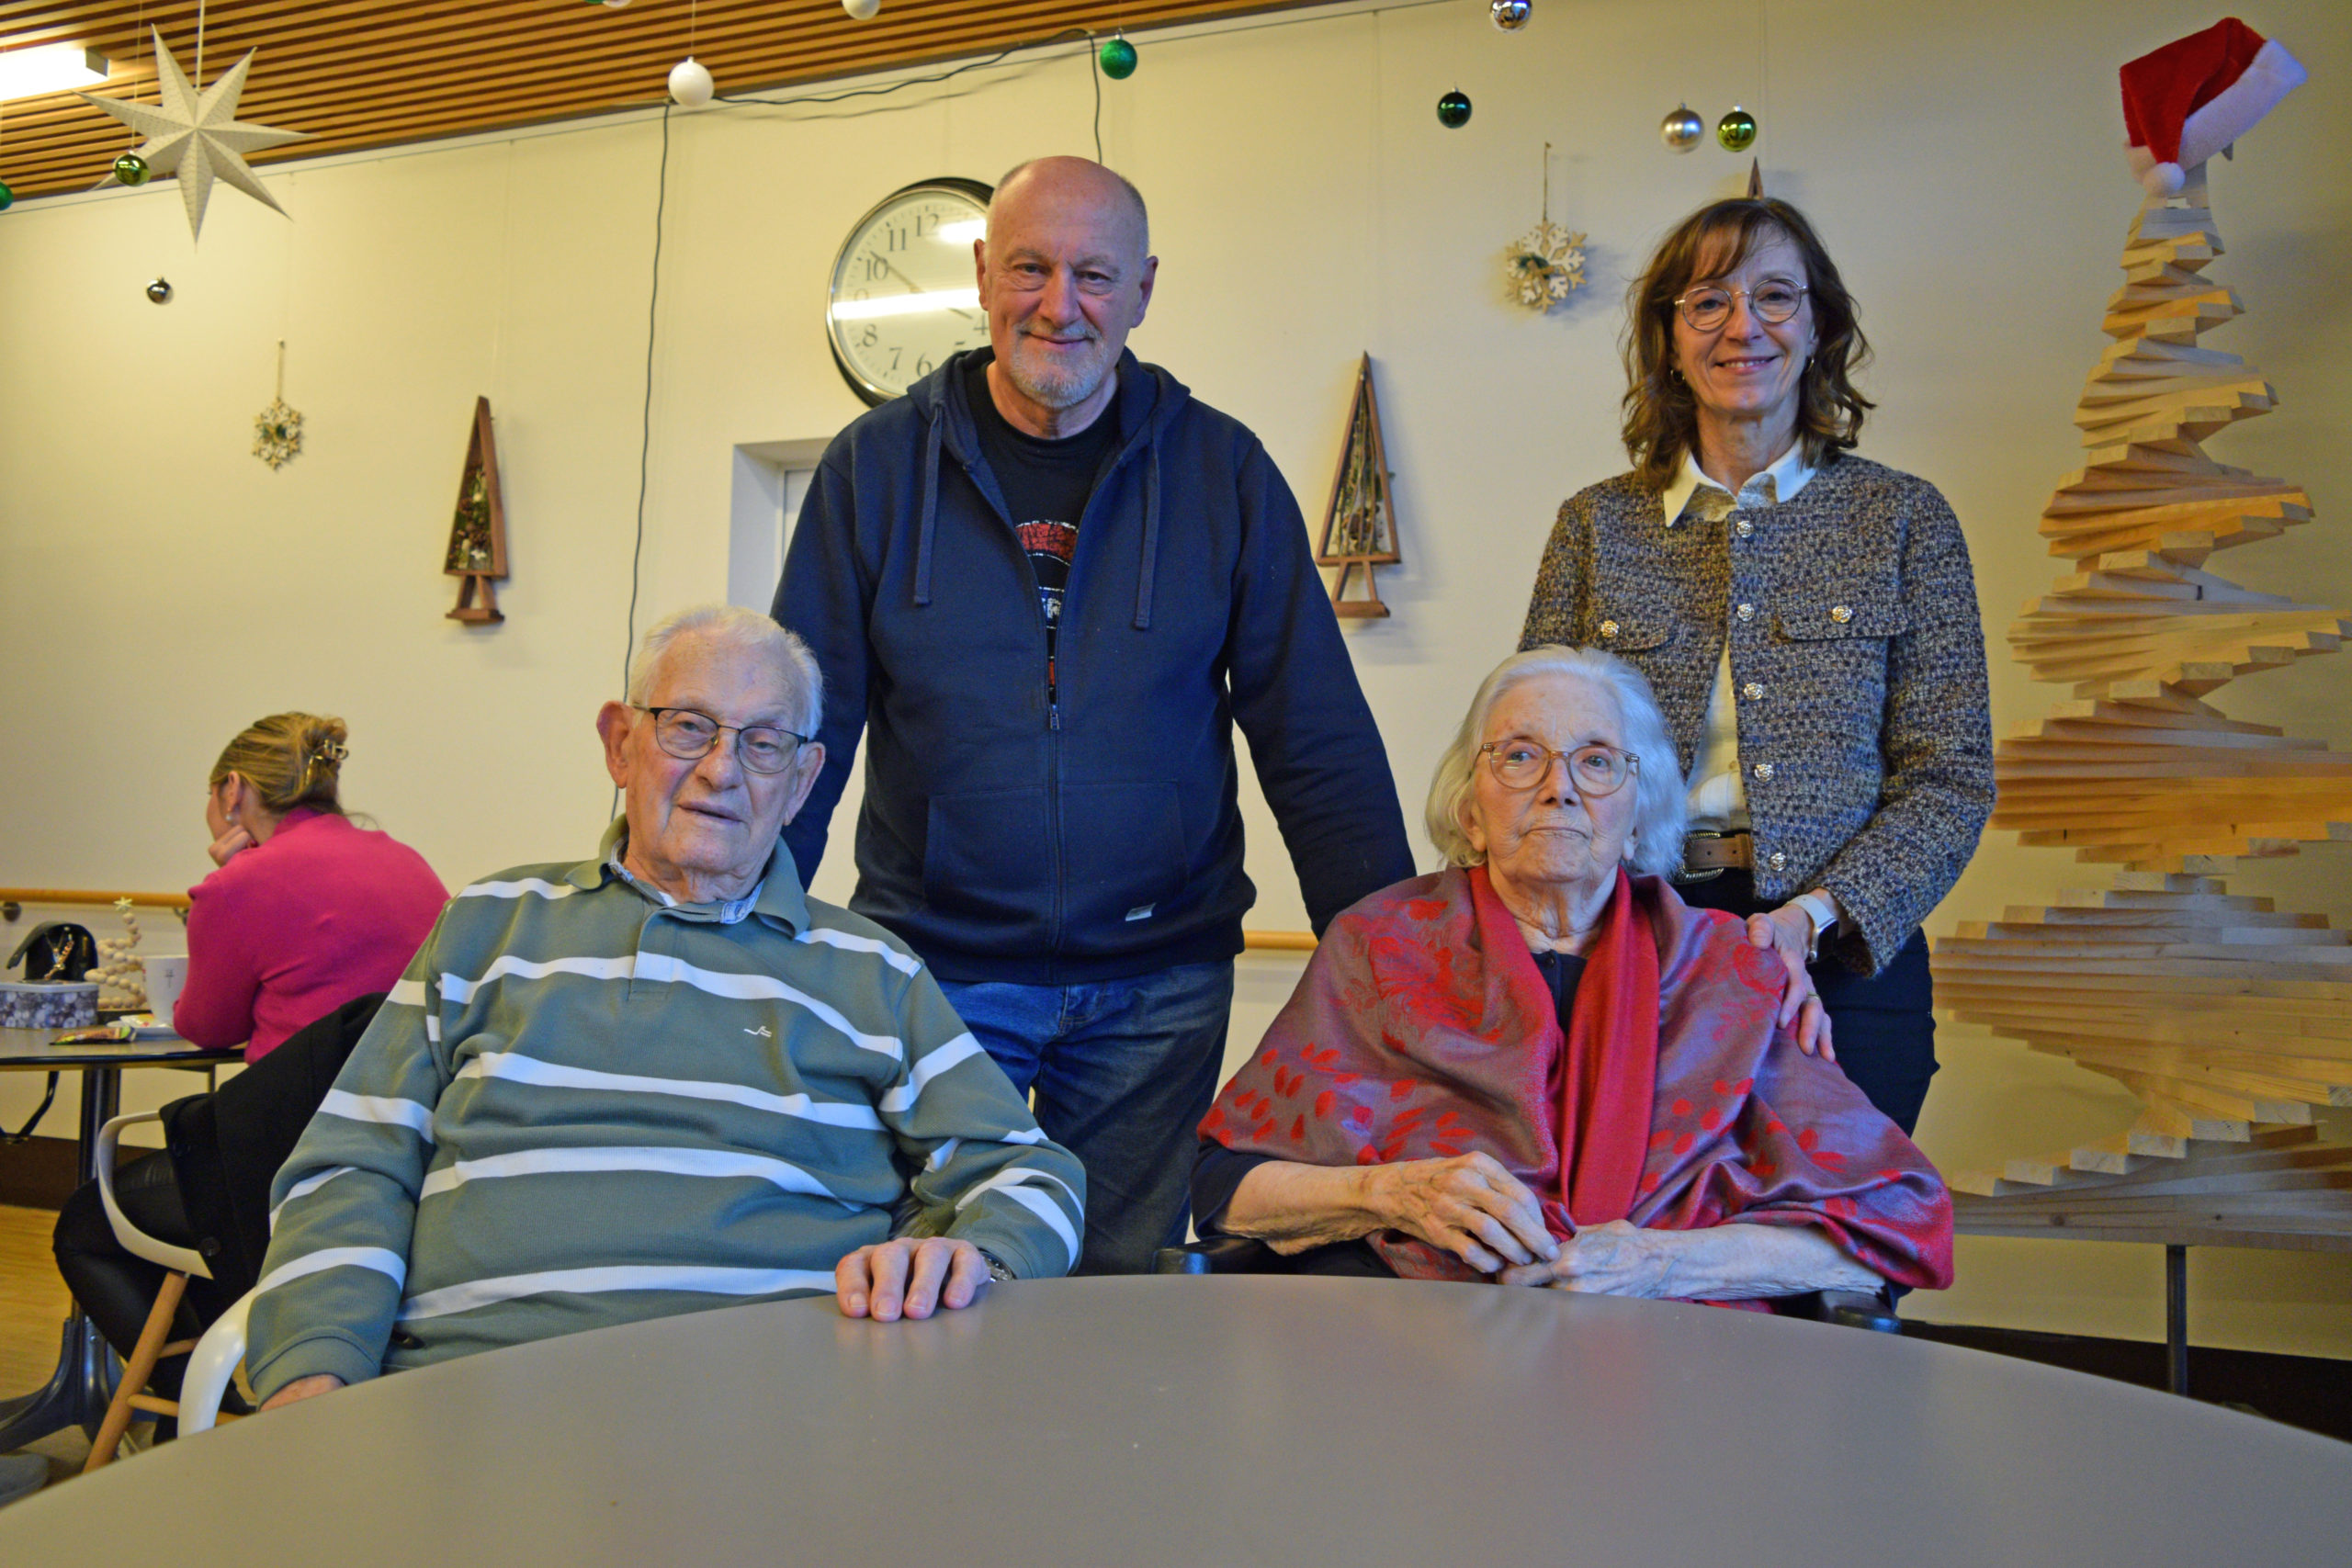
(1468, 1204)
(1788, 931)
(910, 1278)
(1616, 1259)
(303, 1388)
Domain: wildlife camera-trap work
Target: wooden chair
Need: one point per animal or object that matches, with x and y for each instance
(130, 1395)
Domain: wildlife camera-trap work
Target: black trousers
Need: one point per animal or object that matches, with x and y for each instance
(1882, 1025)
(118, 1288)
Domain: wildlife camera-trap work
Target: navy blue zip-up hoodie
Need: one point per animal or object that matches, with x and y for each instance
(1096, 836)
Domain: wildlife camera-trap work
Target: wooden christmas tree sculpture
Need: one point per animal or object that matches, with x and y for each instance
(478, 533)
(1360, 525)
(2230, 1019)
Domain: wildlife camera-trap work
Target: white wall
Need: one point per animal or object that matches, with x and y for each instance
(159, 587)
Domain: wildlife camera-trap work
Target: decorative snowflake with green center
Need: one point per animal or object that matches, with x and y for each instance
(277, 433)
(1546, 265)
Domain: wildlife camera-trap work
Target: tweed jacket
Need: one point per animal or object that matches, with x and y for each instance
(1865, 735)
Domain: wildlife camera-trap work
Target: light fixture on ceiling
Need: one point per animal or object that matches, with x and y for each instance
(50, 68)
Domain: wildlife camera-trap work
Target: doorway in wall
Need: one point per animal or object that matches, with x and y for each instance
(771, 480)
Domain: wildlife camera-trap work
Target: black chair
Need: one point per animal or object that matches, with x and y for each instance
(224, 1146)
(1243, 1255)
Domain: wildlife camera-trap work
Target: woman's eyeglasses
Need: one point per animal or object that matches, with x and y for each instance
(1772, 302)
(1593, 770)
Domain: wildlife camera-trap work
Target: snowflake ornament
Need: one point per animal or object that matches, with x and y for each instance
(277, 433)
(1546, 265)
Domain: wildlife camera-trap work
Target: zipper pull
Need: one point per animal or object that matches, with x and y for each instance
(1054, 715)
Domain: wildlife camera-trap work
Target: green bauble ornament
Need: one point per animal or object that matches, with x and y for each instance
(7, 199)
(1736, 130)
(131, 169)
(1454, 109)
(1118, 58)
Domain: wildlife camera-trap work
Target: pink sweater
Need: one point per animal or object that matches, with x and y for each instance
(292, 929)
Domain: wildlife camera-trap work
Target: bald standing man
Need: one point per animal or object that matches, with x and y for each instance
(1047, 585)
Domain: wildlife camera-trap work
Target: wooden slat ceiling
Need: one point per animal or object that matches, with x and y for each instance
(356, 75)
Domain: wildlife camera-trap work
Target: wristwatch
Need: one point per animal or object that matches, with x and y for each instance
(1821, 911)
(997, 1270)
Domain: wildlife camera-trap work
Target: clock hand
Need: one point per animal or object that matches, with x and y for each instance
(915, 287)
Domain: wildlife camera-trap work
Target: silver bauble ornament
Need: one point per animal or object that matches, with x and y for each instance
(1509, 15)
(1681, 130)
(160, 291)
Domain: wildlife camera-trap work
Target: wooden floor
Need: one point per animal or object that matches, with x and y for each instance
(32, 1309)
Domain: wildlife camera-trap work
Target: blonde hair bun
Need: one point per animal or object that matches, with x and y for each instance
(292, 760)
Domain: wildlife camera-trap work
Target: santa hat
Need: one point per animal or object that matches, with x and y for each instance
(2193, 97)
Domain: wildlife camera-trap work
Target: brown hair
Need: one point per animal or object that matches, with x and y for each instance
(1662, 415)
(291, 760)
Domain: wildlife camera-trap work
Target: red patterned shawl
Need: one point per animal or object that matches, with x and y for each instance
(1422, 1028)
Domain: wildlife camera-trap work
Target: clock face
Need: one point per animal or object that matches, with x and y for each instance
(903, 294)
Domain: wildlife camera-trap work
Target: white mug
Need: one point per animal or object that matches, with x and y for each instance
(167, 976)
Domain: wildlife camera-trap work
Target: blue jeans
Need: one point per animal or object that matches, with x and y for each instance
(1122, 1070)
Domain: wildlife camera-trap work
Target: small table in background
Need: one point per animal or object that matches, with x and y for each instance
(78, 1391)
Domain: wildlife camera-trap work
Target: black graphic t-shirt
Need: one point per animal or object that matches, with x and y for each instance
(1046, 484)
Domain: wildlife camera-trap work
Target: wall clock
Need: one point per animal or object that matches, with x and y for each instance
(904, 295)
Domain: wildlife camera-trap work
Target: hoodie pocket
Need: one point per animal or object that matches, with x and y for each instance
(985, 857)
(1123, 851)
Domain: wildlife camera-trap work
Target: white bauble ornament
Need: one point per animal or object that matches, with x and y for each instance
(690, 84)
(861, 10)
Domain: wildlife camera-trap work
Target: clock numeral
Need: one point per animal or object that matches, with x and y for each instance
(894, 360)
(923, 365)
(867, 338)
(898, 238)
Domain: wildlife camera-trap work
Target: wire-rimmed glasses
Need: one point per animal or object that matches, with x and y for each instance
(688, 735)
(1772, 301)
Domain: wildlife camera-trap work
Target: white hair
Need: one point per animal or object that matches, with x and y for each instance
(747, 630)
(1661, 813)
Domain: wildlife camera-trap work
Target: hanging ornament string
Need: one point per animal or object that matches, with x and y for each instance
(1546, 264)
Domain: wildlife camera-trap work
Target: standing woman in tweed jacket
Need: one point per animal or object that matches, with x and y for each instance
(1807, 619)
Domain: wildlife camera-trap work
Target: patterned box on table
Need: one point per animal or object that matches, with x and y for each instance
(51, 1005)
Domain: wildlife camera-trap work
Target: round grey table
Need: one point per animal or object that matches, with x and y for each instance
(78, 1391)
(1228, 1421)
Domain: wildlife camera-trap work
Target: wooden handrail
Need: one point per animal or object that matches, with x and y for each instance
(84, 896)
(1278, 942)
(1255, 942)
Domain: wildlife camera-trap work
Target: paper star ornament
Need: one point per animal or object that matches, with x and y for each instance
(197, 136)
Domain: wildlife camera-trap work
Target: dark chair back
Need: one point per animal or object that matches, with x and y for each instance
(226, 1145)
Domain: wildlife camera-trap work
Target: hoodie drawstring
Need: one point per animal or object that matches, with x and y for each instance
(927, 528)
(1150, 539)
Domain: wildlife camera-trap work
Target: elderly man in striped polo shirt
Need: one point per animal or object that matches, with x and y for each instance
(657, 1081)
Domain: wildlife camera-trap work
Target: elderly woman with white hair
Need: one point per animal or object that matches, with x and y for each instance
(1538, 1066)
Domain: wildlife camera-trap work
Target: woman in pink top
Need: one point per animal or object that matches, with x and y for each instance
(307, 910)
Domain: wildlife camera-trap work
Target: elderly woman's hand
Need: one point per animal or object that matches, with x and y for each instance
(1788, 931)
(1614, 1259)
(1469, 1205)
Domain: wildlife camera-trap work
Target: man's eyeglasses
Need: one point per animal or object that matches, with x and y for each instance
(688, 735)
(1593, 770)
(1772, 302)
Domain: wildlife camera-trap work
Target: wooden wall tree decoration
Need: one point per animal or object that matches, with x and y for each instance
(2230, 1019)
(1360, 524)
(477, 554)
